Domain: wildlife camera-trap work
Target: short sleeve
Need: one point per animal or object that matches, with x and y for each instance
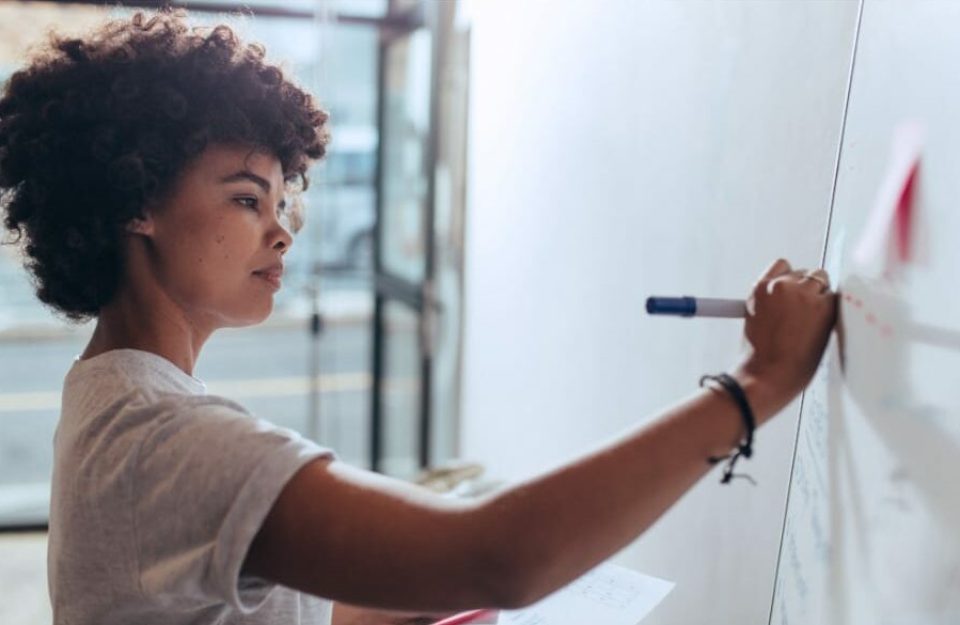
(207, 474)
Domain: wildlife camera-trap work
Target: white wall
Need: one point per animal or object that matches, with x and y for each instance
(620, 148)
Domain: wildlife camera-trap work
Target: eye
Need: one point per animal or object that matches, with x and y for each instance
(248, 201)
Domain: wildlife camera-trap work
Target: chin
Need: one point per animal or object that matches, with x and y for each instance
(250, 317)
(260, 318)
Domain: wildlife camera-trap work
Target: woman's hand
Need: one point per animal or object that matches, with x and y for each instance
(789, 318)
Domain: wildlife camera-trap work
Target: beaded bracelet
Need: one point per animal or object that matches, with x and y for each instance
(745, 448)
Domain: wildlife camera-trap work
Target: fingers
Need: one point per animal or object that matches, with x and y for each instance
(790, 315)
(819, 277)
(814, 281)
(778, 268)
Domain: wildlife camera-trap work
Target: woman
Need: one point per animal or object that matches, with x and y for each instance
(145, 168)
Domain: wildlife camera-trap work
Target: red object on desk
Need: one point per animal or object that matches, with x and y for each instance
(473, 616)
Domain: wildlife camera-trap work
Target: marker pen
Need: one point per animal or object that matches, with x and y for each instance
(687, 306)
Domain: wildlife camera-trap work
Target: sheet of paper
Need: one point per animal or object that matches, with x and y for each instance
(609, 595)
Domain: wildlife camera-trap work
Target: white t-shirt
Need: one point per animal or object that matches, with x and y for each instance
(158, 491)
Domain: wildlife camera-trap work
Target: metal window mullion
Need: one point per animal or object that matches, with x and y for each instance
(397, 21)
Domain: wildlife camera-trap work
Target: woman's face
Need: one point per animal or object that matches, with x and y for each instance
(216, 243)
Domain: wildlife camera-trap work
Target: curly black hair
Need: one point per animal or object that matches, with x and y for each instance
(94, 129)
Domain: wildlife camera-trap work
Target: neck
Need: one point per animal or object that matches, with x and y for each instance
(151, 323)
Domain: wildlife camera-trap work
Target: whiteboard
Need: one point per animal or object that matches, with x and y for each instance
(872, 530)
(625, 148)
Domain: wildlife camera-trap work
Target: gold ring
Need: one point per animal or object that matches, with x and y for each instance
(817, 278)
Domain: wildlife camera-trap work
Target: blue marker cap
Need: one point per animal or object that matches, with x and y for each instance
(683, 306)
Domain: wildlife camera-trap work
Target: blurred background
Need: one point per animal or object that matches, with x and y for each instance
(355, 354)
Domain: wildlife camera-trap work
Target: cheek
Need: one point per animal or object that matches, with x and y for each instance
(208, 266)
(203, 263)
(213, 249)
(229, 254)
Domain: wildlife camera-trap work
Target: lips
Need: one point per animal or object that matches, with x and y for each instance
(272, 273)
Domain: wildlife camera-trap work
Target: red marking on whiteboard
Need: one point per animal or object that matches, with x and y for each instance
(887, 242)
(903, 217)
(871, 318)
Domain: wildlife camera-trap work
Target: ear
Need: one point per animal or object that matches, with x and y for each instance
(139, 225)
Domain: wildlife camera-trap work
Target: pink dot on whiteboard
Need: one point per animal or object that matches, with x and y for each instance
(886, 330)
(858, 303)
(871, 318)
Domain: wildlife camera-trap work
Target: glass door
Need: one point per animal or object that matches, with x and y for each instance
(404, 306)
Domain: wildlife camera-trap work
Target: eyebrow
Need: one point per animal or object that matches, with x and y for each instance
(246, 175)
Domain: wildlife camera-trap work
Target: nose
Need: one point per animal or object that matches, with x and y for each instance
(282, 239)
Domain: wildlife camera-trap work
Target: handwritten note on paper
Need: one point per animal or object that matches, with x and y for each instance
(609, 594)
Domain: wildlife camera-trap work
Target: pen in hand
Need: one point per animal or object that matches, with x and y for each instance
(688, 306)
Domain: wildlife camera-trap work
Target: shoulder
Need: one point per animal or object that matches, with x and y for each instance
(212, 429)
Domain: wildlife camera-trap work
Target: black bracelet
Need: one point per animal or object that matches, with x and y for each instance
(745, 448)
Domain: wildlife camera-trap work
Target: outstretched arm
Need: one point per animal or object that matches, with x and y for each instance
(354, 536)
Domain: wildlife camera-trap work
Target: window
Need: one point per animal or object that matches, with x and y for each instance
(318, 385)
